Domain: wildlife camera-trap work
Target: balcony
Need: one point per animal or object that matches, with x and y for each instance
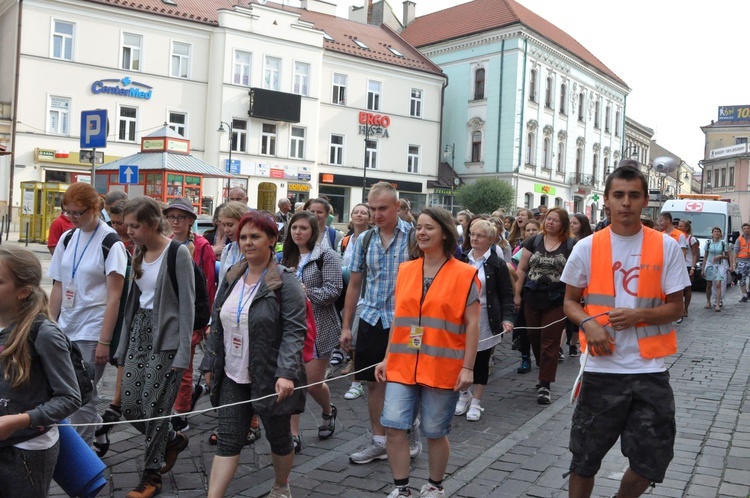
(583, 182)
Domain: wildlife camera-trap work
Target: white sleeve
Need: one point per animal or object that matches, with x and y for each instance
(577, 269)
(683, 241)
(117, 260)
(674, 276)
(55, 265)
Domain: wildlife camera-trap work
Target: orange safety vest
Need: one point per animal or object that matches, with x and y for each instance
(440, 313)
(654, 341)
(744, 249)
(675, 234)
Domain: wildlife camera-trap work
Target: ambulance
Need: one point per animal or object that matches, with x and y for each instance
(704, 213)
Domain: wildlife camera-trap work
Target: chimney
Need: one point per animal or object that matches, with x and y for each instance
(369, 11)
(409, 12)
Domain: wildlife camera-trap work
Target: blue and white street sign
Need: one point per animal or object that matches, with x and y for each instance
(233, 168)
(94, 129)
(128, 174)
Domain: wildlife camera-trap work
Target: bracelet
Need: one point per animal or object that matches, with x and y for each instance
(104, 343)
(467, 368)
(586, 320)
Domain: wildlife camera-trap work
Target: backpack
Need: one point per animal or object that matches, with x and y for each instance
(723, 245)
(109, 240)
(84, 371)
(366, 243)
(539, 243)
(202, 309)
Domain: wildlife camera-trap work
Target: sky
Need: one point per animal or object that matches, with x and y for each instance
(681, 60)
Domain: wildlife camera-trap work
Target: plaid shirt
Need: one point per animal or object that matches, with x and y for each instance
(379, 301)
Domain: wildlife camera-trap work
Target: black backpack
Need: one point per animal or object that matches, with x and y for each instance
(202, 309)
(84, 371)
(109, 240)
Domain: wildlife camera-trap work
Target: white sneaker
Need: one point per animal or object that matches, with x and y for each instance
(463, 403)
(397, 493)
(415, 440)
(430, 491)
(280, 491)
(474, 413)
(371, 452)
(354, 392)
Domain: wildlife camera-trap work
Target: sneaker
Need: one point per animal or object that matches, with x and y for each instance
(149, 486)
(253, 435)
(679, 321)
(414, 436)
(174, 447)
(371, 452)
(198, 391)
(297, 441)
(560, 355)
(542, 396)
(474, 413)
(744, 299)
(328, 427)
(430, 491)
(337, 358)
(573, 351)
(463, 403)
(180, 424)
(280, 491)
(400, 492)
(354, 392)
(525, 365)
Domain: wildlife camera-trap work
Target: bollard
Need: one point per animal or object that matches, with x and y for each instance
(27, 235)
(2, 229)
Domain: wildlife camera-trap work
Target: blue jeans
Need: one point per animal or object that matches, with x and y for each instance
(402, 403)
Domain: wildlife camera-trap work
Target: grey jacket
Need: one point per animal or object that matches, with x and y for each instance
(52, 392)
(276, 329)
(173, 316)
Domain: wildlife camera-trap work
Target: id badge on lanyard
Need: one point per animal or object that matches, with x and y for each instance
(69, 296)
(415, 337)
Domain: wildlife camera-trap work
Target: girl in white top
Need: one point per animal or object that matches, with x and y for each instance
(322, 209)
(87, 289)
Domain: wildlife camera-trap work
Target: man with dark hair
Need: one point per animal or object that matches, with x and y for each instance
(631, 279)
(740, 257)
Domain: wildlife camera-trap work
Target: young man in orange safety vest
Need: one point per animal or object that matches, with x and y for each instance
(631, 279)
(741, 260)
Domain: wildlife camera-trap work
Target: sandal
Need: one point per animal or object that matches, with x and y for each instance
(708, 306)
(325, 431)
(337, 358)
(297, 441)
(253, 435)
(213, 439)
(717, 308)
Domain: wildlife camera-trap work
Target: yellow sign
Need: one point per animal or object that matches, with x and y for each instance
(299, 187)
(153, 144)
(48, 156)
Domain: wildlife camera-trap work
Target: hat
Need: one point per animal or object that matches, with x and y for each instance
(535, 212)
(183, 205)
(675, 220)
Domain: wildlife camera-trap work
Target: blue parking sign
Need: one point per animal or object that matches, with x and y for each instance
(94, 129)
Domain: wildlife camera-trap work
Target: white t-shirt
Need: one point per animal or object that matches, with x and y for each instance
(83, 321)
(484, 320)
(626, 358)
(689, 241)
(147, 283)
(236, 338)
(230, 256)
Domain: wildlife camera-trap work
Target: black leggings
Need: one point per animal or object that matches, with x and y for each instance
(482, 367)
(234, 423)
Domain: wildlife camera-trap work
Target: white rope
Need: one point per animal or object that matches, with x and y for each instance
(496, 338)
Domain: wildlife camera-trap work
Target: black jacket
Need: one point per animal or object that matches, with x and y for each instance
(500, 305)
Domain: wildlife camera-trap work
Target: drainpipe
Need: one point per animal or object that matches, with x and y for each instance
(440, 143)
(14, 118)
(500, 107)
(523, 103)
(622, 142)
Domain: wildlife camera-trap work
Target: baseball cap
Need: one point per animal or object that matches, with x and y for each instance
(182, 204)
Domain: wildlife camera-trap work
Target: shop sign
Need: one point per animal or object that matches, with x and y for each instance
(731, 150)
(443, 191)
(304, 173)
(298, 187)
(277, 173)
(165, 145)
(356, 181)
(544, 189)
(734, 113)
(137, 91)
(46, 154)
(376, 124)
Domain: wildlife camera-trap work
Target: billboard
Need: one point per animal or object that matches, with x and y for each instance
(728, 113)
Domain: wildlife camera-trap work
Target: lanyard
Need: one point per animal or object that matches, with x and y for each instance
(76, 259)
(302, 266)
(244, 302)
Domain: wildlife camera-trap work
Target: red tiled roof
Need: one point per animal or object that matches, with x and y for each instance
(343, 31)
(485, 15)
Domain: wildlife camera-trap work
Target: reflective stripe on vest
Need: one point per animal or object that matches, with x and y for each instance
(654, 341)
(441, 315)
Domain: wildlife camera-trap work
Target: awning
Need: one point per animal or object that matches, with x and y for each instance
(157, 161)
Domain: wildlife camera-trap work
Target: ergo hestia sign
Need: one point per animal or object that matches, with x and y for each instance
(137, 91)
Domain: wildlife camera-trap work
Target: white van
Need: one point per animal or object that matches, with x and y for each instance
(704, 213)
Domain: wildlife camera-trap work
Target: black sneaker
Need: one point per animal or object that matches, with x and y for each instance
(744, 299)
(573, 351)
(560, 355)
(525, 365)
(198, 391)
(180, 424)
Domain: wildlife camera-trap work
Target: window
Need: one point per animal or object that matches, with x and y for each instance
(127, 124)
(415, 109)
(731, 177)
(558, 202)
(581, 107)
(607, 119)
(336, 150)
(180, 60)
(301, 78)
(339, 89)
(716, 178)
(59, 115)
(361, 44)
(595, 166)
(239, 135)
(297, 143)
(268, 140)
(548, 93)
(528, 200)
(241, 69)
(395, 52)
(617, 124)
(63, 37)
(579, 162)
(547, 150)
(597, 109)
(532, 86)
(531, 148)
(479, 84)
(373, 95)
(723, 178)
(561, 157)
(605, 167)
(178, 122)
(272, 73)
(371, 154)
(131, 52)
(412, 159)
(476, 146)
(563, 96)
(740, 140)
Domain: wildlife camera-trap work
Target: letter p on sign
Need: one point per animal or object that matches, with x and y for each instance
(94, 129)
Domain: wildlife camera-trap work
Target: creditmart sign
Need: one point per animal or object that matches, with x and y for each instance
(123, 87)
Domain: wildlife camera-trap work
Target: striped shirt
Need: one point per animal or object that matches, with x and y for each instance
(379, 301)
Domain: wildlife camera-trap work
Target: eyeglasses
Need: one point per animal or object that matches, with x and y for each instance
(179, 218)
(74, 214)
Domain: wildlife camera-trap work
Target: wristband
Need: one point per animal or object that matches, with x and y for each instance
(104, 343)
(586, 320)
(467, 368)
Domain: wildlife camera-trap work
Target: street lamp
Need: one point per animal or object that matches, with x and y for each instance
(228, 167)
(450, 152)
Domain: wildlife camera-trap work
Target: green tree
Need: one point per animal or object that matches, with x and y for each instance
(486, 195)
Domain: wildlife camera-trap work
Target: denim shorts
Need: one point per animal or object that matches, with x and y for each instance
(402, 403)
